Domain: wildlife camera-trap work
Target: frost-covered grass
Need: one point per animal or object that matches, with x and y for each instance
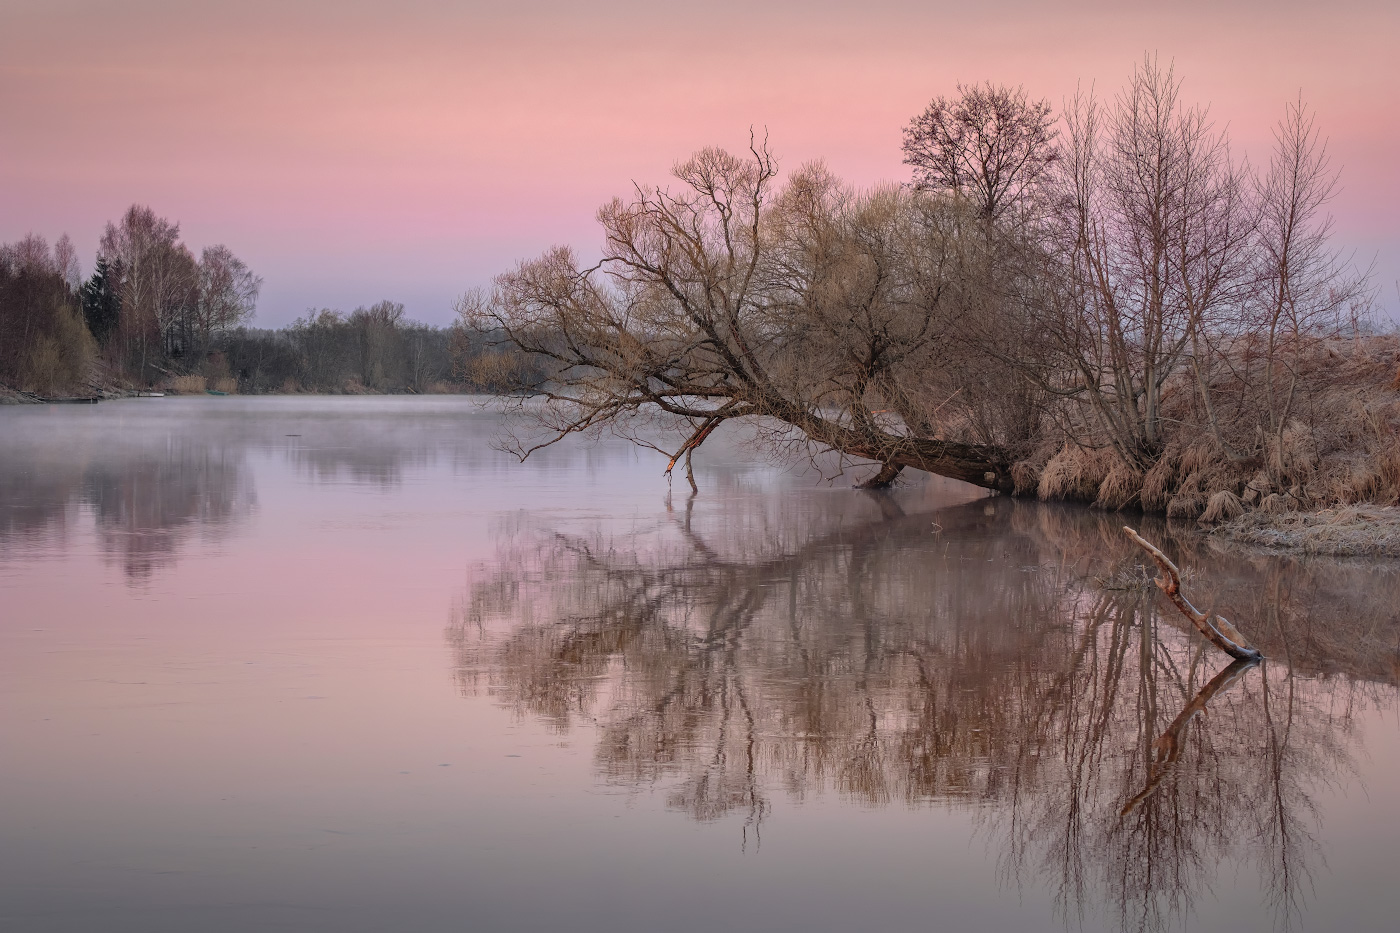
(1349, 531)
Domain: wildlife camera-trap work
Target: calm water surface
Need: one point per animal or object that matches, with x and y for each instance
(335, 664)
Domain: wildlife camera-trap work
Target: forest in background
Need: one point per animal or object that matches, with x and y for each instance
(152, 315)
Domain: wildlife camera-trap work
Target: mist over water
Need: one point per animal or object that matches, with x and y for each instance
(335, 663)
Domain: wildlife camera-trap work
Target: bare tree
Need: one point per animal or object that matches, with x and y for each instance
(376, 333)
(44, 345)
(1149, 250)
(1305, 285)
(1097, 293)
(992, 144)
(796, 307)
(158, 276)
(65, 259)
(227, 297)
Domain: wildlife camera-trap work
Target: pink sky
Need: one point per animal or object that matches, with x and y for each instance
(353, 151)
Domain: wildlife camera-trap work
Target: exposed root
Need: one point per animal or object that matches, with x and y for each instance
(1217, 630)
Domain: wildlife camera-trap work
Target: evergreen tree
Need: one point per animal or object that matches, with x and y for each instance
(101, 302)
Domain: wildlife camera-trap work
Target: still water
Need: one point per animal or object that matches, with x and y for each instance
(337, 664)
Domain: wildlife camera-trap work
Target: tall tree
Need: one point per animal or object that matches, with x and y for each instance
(1306, 286)
(44, 346)
(227, 296)
(991, 144)
(102, 303)
(157, 280)
(1149, 251)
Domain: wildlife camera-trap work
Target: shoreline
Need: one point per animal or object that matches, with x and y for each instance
(11, 396)
(1359, 530)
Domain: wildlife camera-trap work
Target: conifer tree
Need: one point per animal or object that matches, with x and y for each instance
(101, 301)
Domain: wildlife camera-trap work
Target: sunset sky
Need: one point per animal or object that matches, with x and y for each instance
(351, 150)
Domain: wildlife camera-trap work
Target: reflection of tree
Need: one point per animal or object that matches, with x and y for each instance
(153, 476)
(147, 499)
(974, 662)
(39, 496)
(370, 461)
(146, 505)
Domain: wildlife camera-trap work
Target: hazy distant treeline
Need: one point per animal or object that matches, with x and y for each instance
(152, 314)
(372, 349)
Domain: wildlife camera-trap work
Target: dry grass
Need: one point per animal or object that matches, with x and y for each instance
(1120, 488)
(1074, 473)
(1339, 446)
(1224, 506)
(1025, 474)
(1157, 484)
(1358, 530)
(1373, 479)
(1186, 505)
(187, 385)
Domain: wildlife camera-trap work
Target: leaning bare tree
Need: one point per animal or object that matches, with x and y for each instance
(817, 313)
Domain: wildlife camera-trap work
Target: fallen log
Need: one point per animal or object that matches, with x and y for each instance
(1217, 629)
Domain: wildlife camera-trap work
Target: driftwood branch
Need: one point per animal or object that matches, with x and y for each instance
(1217, 630)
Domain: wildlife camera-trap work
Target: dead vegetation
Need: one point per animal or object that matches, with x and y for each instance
(1341, 448)
(1215, 627)
(1346, 531)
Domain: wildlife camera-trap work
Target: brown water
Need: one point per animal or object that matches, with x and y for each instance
(335, 664)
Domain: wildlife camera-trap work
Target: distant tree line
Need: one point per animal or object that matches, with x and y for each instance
(371, 349)
(152, 314)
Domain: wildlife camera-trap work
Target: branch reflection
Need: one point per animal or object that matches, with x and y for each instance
(1001, 657)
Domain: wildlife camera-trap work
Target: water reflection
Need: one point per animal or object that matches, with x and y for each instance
(155, 474)
(146, 495)
(149, 502)
(1001, 657)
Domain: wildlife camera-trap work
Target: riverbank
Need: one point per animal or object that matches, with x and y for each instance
(1348, 531)
(200, 386)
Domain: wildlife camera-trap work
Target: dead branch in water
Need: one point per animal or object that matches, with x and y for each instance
(1217, 630)
(1167, 747)
(689, 447)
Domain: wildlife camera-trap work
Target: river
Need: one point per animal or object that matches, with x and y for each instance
(338, 664)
